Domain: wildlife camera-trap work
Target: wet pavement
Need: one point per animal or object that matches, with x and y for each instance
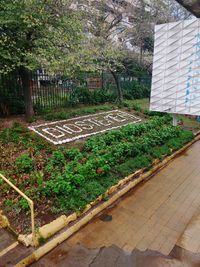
(79, 256)
(146, 227)
(11, 252)
(6, 239)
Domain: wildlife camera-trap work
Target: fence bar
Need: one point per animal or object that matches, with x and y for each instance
(49, 92)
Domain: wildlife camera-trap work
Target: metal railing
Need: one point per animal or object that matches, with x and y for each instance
(31, 205)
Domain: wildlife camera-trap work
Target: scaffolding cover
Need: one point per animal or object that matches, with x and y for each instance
(176, 68)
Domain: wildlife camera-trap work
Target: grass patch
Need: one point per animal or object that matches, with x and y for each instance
(66, 113)
(69, 113)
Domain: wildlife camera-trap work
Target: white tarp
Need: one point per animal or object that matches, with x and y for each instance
(176, 68)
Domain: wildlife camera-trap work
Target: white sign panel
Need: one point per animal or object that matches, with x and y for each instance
(59, 132)
(176, 68)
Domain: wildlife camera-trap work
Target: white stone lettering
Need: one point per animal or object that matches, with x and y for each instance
(73, 128)
(64, 130)
(60, 132)
(116, 118)
(103, 122)
(50, 130)
(94, 121)
(83, 125)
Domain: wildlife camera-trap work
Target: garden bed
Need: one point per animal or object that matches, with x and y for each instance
(65, 131)
(61, 180)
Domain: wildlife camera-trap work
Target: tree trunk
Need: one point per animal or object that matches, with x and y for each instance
(118, 85)
(25, 77)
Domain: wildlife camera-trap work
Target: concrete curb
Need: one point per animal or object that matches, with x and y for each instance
(115, 192)
(3, 221)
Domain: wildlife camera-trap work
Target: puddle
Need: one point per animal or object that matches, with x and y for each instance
(105, 218)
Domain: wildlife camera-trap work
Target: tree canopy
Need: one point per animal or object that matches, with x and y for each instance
(37, 33)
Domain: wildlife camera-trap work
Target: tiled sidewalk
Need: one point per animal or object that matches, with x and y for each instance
(154, 215)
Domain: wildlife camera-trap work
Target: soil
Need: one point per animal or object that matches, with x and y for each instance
(9, 121)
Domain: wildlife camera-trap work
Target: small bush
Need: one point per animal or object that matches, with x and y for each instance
(24, 163)
(73, 153)
(135, 90)
(23, 204)
(57, 160)
(96, 96)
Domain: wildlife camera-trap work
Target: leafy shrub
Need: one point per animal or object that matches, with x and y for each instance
(137, 107)
(135, 90)
(60, 185)
(58, 158)
(12, 134)
(23, 204)
(84, 95)
(57, 161)
(155, 113)
(101, 96)
(95, 96)
(8, 202)
(74, 153)
(24, 163)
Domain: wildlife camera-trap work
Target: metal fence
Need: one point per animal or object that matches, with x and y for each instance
(52, 91)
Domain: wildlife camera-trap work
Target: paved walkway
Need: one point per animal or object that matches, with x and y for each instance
(11, 252)
(153, 217)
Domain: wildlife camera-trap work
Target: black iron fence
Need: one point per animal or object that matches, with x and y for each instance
(52, 91)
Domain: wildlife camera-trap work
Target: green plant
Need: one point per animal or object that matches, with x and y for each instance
(57, 160)
(24, 163)
(23, 204)
(1, 181)
(135, 90)
(41, 240)
(39, 177)
(73, 153)
(8, 202)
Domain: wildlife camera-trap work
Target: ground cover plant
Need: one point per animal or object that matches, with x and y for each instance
(62, 180)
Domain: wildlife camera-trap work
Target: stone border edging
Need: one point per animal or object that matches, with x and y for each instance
(3, 221)
(126, 185)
